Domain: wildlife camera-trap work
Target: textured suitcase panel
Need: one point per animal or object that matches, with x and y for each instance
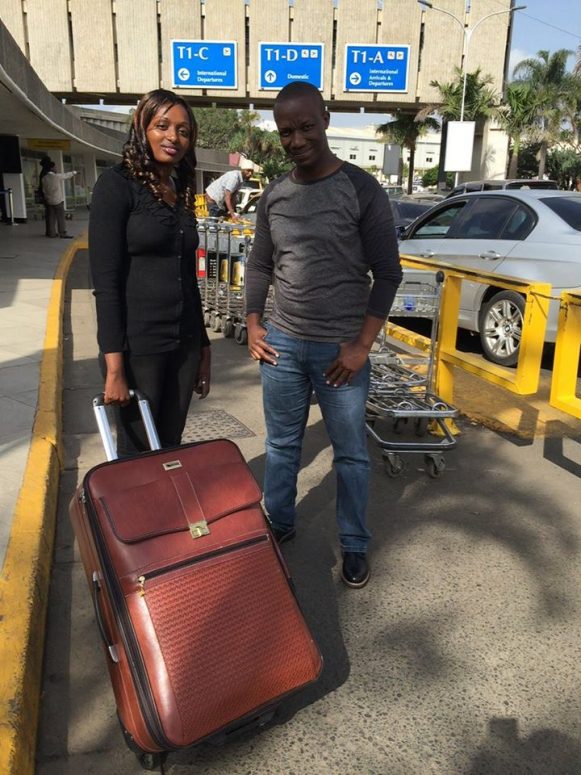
(232, 638)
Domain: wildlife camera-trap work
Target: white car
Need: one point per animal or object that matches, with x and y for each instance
(532, 235)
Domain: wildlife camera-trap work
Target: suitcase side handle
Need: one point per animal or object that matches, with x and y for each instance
(104, 425)
(111, 648)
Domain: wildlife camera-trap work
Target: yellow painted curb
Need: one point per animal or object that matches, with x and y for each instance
(25, 579)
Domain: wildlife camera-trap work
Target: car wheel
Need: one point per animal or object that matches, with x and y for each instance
(500, 326)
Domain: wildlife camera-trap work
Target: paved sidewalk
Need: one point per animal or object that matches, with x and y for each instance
(462, 655)
(28, 261)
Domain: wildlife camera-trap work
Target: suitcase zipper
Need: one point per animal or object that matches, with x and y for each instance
(194, 560)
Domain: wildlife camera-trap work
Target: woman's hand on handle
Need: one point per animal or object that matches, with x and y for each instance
(116, 390)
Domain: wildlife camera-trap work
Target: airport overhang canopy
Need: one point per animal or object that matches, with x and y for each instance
(28, 110)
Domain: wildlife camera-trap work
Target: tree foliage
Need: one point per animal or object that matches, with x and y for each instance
(430, 178)
(404, 130)
(235, 131)
(481, 101)
(517, 116)
(216, 126)
(556, 96)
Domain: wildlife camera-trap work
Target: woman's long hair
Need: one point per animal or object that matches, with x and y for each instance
(137, 155)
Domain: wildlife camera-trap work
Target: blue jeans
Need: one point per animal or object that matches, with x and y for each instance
(286, 390)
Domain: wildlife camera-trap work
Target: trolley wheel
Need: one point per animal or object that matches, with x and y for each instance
(207, 318)
(393, 465)
(240, 334)
(151, 761)
(217, 323)
(228, 329)
(435, 465)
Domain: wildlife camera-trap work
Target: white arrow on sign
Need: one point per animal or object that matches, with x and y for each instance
(270, 76)
(355, 79)
(183, 73)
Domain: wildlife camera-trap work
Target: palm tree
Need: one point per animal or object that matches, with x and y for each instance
(480, 102)
(404, 130)
(547, 75)
(516, 117)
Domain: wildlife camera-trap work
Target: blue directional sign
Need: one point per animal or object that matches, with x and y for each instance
(204, 64)
(283, 63)
(376, 68)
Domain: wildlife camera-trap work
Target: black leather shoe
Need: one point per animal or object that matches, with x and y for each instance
(355, 571)
(280, 536)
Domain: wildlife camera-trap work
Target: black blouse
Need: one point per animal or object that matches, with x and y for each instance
(143, 263)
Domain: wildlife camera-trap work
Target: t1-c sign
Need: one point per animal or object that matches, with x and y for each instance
(204, 64)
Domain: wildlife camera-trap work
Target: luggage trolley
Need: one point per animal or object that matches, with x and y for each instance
(220, 271)
(401, 389)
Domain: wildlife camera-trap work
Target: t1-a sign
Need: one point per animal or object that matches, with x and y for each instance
(376, 68)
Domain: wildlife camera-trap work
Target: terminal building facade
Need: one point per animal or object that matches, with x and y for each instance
(364, 55)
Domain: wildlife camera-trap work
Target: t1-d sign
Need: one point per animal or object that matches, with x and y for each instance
(376, 68)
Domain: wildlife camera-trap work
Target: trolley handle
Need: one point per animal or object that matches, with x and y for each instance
(104, 425)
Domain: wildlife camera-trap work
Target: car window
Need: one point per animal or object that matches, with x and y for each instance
(410, 209)
(439, 224)
(492, 186)
(486, 218)
(520, 224)
(566, 207)
(543, 184)
(473, 187)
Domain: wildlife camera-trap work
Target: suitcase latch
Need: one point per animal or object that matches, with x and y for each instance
(199, 529)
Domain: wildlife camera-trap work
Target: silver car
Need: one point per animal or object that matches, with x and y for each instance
(532, 235)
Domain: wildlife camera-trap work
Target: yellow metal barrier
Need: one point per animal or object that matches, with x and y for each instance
(522, 380)
(567, 351)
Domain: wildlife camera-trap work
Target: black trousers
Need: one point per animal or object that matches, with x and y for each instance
(167, 379)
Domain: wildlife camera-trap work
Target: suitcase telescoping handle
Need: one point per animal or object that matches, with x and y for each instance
(111, 648)
(105, 428)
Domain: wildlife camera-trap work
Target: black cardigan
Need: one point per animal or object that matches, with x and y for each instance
(143, 263)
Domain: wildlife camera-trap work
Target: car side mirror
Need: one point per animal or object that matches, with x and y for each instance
(400, 232)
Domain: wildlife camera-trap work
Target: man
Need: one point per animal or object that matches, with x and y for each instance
(221, 193)
(320, 229)
(52, 188)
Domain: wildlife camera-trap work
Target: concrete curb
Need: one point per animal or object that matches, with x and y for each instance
(24, 583)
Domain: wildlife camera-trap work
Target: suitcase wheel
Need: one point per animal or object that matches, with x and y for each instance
(149, 761)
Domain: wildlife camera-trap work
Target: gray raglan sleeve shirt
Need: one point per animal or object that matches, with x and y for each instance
(317, 244)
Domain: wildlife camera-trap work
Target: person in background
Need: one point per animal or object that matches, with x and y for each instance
(142, 249)
(45, 164)
(221, 193)
(52, 188)
(320, 230)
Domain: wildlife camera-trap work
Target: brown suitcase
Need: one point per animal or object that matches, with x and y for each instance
(200, 625)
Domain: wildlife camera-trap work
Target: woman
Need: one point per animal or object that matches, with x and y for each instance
(142, 247)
